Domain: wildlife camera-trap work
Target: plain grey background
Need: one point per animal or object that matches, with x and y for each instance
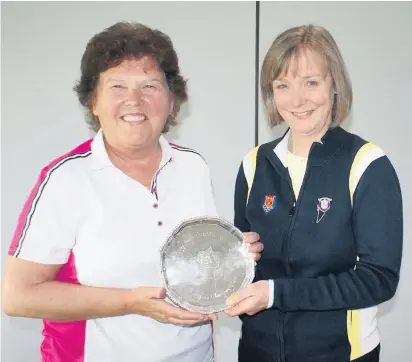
(42, 43)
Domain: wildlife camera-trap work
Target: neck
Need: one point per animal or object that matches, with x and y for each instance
(128, 159)
(300, 144)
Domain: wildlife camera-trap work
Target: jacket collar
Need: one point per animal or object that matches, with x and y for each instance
(320, 152)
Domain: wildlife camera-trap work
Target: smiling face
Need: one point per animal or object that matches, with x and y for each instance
(304, 94)
(132, 103)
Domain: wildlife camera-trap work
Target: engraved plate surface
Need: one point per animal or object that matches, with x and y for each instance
(203, 262)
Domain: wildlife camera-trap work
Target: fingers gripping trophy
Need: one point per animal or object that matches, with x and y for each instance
(203, 262)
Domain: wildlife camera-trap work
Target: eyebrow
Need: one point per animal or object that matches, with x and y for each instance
(109, 80)
(304, 77)
(116, 80)
(155, 80)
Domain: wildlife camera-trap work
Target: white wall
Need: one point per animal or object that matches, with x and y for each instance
(375, 39)
(41, 48)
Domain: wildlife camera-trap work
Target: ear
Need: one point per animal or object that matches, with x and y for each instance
(93, 105)
(171, 102)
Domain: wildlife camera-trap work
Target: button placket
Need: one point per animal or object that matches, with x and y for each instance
(154, 190)
(156, 207)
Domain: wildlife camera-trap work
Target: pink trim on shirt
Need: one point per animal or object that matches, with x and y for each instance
(64, 341)
(30, 205)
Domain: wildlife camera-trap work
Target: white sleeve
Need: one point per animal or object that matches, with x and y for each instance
(209, 194)
(271, 294)
(45, 231)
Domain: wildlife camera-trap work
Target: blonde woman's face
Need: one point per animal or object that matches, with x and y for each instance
(304, 95)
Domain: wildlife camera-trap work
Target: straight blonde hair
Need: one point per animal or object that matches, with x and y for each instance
(293, 43)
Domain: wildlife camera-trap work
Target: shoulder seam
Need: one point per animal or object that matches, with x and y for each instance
(249, 168)
(364, 157)
(38, 191)
(186, 149)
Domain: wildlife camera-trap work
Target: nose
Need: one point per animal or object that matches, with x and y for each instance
(135, 97)
(297, 98)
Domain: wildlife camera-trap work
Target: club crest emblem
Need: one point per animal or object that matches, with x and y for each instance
(324, 204)
(269, 203)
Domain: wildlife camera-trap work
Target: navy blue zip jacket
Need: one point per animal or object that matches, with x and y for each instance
(333, 251)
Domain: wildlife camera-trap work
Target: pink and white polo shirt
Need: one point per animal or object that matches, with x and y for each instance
(106, 230)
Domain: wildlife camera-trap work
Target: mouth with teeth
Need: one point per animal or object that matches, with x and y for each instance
(134, 118)
(303, 115)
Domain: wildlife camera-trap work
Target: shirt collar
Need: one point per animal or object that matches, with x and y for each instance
(101, 159)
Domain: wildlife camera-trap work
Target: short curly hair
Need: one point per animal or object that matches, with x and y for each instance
(123, 41)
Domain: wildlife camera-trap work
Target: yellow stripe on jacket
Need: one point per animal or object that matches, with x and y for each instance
(363, 334)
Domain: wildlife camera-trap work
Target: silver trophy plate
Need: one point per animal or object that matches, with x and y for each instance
(203, 262)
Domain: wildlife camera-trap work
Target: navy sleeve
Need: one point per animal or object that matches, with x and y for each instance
(241, 192)
(378, 231)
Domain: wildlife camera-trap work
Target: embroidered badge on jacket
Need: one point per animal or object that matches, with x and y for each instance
(269, 203)
(324, 204)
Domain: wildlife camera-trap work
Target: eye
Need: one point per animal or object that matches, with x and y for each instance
(312, 83)
(150, 86)
(118, 86)
(281, 86)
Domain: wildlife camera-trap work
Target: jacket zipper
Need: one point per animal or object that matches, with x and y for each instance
(285, 248)
(292, 212)
(281, 321)
(281, 341)
(292, 215)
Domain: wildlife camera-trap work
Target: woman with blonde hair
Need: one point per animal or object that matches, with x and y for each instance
(328, 207)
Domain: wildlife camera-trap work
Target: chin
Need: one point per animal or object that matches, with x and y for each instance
(302, 126)
(306, 126)
(136, 139)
